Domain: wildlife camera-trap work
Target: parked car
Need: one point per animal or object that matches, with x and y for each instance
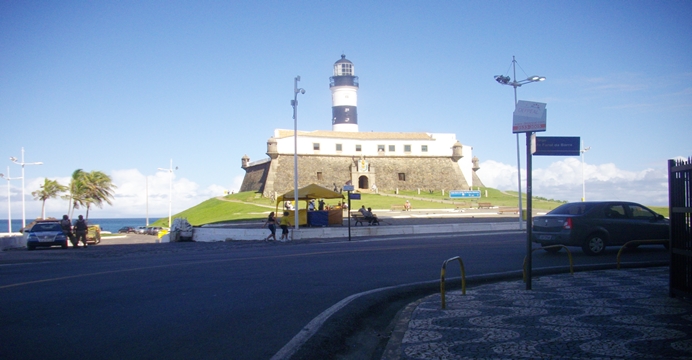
(94, 234)
(141, 230)
(153, 230)
(45, 233)
(127, 230)
(597, 224)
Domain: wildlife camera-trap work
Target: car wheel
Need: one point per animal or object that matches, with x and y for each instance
(594, 244)
(552, 250)
(31, 247)
(64, 245)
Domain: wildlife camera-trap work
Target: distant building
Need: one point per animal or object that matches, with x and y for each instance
(384, 161)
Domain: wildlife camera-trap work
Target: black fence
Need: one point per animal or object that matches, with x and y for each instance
(680, 206)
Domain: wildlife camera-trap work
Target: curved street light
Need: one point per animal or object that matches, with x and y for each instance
(9, 205)
(294, 103)
(22, 163)
(170, 192)
(506, 80)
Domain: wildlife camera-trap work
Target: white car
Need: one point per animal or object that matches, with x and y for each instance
(141, 230)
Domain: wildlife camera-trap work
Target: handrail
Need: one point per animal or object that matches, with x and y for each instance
(658, 241)
(442, 279)
(569, 255)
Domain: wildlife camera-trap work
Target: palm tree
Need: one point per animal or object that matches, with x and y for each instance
(97, 188)
(49, 190)
(75, 191)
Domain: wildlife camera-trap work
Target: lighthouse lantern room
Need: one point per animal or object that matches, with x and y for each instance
(344, 87)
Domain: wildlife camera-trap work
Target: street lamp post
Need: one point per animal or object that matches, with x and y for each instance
(294, 103)
(9, 204)
(170, 191)
(505, 80)
(583, 180)
(22, 163)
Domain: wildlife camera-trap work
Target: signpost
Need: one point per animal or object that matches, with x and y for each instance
(348, 189)
(529, 116)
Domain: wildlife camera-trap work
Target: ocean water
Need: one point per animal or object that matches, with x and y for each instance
(111, 225)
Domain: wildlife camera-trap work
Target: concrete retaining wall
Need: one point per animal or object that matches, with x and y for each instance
(11, 242)
(223, 234)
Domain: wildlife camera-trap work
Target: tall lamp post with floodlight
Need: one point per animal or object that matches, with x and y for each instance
(9, 205)
(583, 180)
(22, 163)
(505, 80)
(170, 191)
(294, 103)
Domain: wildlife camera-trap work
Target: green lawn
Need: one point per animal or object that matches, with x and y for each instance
(252, 206)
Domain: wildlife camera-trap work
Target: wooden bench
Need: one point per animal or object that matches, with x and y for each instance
(397, 207)
(512, 210)
(359, 219)
(484, 205)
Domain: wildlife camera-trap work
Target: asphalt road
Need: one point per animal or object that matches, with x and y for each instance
(239, 300)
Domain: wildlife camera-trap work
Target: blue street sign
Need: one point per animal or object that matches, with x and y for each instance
(557, 145)
(354, 196)
(465, 194)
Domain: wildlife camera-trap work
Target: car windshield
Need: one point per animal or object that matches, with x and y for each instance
(572, 209)
(46, 227)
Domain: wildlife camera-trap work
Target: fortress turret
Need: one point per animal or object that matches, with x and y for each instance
(457, 151)
(344, 87)
(245, 161)
(272, 148)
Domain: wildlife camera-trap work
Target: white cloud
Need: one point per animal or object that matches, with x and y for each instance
(136, 196)
(562, 180)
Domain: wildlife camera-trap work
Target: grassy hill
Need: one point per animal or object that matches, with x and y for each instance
(252, 206)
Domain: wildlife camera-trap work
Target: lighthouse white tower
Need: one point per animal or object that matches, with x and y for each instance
(344, 87)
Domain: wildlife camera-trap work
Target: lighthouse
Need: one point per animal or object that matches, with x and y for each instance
(344, 87)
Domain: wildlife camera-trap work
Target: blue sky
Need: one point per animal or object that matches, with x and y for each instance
(123, 87)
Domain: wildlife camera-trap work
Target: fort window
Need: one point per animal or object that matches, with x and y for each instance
(315, 146)
(407, 148)
(338, 147)
(402, 177)
(392, 148)
(319, 175)
(424, 148)
(358, 148)
(380, 148)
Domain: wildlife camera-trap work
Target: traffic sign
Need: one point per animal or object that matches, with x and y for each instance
(529, 116)
(557, 145)
(469, 194)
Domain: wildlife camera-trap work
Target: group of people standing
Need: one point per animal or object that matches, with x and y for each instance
(284, 223)
(80, 230)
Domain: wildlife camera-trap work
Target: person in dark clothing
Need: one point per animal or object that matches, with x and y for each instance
(66, 226)
(81, 228)
(271, 223)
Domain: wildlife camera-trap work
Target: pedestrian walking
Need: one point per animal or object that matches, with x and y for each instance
(285, 223)
(271, 223)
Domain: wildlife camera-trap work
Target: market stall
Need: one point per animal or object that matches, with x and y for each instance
(317, 217)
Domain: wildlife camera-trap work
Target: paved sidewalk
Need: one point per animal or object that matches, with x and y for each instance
(610, 314)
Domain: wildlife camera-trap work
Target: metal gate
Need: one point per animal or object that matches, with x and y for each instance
(680, 210)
